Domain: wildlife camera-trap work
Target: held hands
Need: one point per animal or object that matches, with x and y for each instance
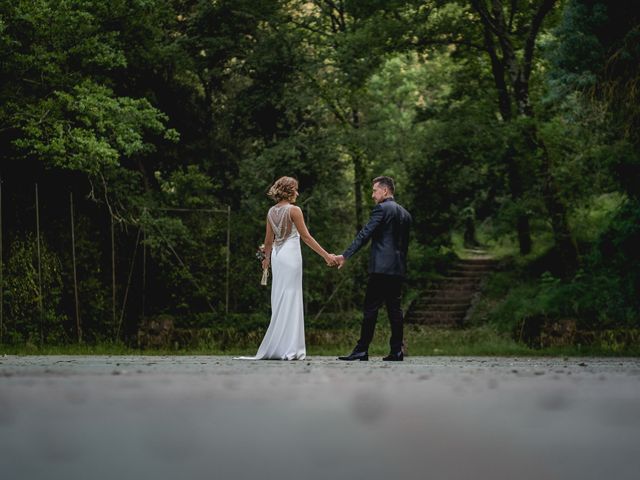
(335, 260)
(330, 260)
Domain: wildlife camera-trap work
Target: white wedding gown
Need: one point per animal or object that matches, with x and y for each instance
(284, 339)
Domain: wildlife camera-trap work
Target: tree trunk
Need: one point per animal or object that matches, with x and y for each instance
(556, 208)
(523, 227)
(358, 174)
(357, 187)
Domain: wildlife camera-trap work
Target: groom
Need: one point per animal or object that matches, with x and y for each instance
(388, 229)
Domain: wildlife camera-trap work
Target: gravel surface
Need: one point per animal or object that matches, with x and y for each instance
(123, 417)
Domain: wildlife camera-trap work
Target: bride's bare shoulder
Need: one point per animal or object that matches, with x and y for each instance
(295, 210)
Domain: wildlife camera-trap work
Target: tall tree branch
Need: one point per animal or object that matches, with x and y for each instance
(512, 14)
(497, 69)
(485, 17)
(543, 9)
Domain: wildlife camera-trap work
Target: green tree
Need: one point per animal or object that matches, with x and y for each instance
(346, 42)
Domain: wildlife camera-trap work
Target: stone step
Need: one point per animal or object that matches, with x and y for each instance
(443, 307)
(466, 275)
(453, 304)
(476, 251)
(440, 320)
(449, 298)
(441, 300)
(452, 301)
(484, 269)
(434, 312)
(438, 305)
(456, 279)
(427, 302)
(441, 313)
(457, 295)
(458, 272)
(477, 262)
(478, 258)
(446, 302)
(469, 287)
(465, 272)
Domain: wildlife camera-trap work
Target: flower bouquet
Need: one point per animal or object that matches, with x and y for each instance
(261, 255)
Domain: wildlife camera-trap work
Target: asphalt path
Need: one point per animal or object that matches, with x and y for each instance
(183, 417)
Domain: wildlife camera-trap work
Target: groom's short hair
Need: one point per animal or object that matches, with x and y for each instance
(385, 182)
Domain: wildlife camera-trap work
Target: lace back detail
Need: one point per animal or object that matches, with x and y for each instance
(281, 223)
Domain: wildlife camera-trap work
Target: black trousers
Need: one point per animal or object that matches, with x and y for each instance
(382, 290)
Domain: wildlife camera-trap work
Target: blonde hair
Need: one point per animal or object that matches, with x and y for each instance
(283, 189)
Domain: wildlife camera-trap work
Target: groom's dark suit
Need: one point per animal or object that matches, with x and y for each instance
(388, 229)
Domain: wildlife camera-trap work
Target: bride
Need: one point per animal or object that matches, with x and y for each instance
(284, 339)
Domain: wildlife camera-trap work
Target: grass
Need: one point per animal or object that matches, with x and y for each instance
(476, 341)
(421, 340)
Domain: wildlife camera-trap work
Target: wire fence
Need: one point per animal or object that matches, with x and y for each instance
(120, 281)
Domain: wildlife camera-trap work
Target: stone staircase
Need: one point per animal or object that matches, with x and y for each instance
(446, 302)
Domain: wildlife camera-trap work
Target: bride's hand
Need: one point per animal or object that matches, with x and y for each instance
(331, 260)
(265, 263)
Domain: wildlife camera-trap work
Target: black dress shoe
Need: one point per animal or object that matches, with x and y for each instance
(362, 356)
(394, 357)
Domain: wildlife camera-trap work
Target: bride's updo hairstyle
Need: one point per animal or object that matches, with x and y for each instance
(283, 189)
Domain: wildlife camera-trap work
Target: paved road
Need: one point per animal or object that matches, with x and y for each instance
(218, 418)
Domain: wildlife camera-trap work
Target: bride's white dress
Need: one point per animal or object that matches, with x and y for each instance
(284, 339)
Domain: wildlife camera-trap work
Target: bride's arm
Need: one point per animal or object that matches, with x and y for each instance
(298, 220)
(268, 245)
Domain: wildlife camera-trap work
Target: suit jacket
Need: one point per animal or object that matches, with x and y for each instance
(388, 229)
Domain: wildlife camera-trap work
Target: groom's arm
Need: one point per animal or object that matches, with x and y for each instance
(365, 234)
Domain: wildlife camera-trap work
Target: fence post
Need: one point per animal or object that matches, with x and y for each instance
(228, 258)
(1, 272)
(40, 303)
(113, 272)
(126, 290)
(144, 268)
(75, 274)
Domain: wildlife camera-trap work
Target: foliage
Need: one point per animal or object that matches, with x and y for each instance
(88, 130)
(32, 294)
(602, 295)
(163, 118)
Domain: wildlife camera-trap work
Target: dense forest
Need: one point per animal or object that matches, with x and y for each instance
(138, 139)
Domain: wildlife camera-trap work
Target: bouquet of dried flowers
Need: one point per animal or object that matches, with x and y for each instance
(261, 255)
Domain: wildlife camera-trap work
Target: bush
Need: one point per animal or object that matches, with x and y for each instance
(24, 321)
(603, 295)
